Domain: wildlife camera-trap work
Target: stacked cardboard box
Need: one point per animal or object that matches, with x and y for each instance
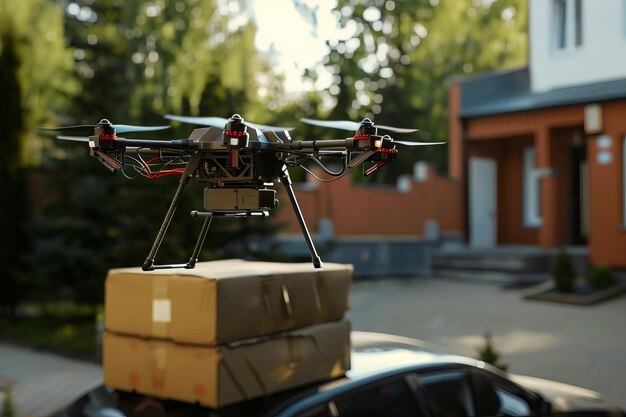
(225, 331)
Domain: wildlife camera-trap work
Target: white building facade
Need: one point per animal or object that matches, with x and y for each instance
(569, 36)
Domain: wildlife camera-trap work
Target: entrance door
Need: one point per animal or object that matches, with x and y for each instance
(580, 196)
(482, 201)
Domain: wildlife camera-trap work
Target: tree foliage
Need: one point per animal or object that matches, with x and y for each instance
(34, 73)
(396, 65)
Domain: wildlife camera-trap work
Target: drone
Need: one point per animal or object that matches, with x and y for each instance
(239, 163)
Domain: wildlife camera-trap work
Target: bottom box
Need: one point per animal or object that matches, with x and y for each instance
(222, 375)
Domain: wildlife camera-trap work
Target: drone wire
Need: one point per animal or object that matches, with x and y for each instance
(138, 168)
(328, 171)
(336, 175)
(162, 172)
(143, 168)
(322, 179)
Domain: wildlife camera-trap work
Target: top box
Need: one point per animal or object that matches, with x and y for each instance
(224, 301)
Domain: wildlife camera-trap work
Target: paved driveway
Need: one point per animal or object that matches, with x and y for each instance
(584, 346)
(41, 383)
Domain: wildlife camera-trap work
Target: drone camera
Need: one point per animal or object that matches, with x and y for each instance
(237, 199)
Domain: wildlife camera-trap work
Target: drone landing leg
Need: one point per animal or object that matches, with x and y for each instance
(148, 264)
(286, 180)
(196, 251)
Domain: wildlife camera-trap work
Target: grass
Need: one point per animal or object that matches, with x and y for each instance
(60, 327)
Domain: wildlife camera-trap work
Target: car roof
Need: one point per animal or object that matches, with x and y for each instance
(373, 353)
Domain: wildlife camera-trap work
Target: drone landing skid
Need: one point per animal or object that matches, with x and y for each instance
(208, 216)
(149, 265)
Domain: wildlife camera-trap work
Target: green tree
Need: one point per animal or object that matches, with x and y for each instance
(13, 191)
(488, 353)
(34, 77)
(136, 61)
(396, 64)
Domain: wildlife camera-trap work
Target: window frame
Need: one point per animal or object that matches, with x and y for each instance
(538, 405)
(531, 189)
(568, 25)
(326, 400)
(407, 378)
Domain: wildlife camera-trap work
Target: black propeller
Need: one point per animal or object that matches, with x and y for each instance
(221, 122)
(403, 142)
(118, 128)
(157, 143)
(74, 138)
(353, 126)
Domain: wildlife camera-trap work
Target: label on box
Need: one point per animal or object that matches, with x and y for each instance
(161, 311)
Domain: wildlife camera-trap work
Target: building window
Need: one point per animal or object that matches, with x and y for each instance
(531, 189)
(578, 22)
(560, 12)
(568, 16)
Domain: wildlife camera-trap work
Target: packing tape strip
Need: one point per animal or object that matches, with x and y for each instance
(288, 318)
(294, 351)
(321, 297)
(225, 362)
(159, 361)
(268, 322)
(301, 336)
(161, 307)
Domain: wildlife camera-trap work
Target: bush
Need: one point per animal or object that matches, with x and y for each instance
(601, 276)
(487, 353)
(563, 272)
(7, 405)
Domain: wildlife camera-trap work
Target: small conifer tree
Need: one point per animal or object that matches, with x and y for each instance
(487, 353)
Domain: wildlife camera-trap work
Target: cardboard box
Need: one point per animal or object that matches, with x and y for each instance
(218, 376)
(224, 301)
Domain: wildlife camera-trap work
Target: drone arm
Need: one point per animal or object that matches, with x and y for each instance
(322, 144)
(161, 144)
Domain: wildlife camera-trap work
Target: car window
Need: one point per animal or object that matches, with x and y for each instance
(493, 397)
(511, 404)
(457, 393)
(393, 399)
(449, 393)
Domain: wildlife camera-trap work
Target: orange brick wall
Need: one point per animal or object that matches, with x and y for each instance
(358, 210)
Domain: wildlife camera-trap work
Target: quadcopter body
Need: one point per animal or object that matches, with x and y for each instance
(239, 163)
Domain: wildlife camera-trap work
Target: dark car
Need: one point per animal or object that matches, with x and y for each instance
(390, 376)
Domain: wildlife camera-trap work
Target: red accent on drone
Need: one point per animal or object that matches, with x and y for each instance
(162, 173)
(385, 150)
(234, 133)
(107, 137)
(361, 137)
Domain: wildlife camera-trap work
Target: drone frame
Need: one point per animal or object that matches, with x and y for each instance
(265, 158)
